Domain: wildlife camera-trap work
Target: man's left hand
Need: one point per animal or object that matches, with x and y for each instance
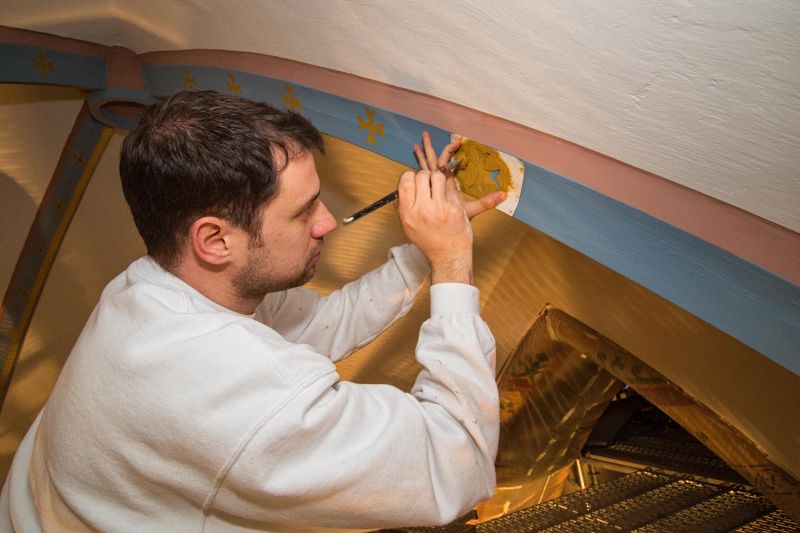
(428, 160)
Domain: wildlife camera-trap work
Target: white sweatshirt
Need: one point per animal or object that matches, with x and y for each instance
(174, 413)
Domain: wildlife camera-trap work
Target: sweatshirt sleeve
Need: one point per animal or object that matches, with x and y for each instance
(372, 456)
(337, 324)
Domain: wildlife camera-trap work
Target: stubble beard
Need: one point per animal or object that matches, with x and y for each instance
(255, 281)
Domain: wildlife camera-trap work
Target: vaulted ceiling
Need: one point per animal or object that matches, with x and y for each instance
(703, 94)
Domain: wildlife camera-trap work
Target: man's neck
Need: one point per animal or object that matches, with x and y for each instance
(215, 285)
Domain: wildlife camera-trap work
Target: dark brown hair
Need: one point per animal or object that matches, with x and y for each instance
(202, 153)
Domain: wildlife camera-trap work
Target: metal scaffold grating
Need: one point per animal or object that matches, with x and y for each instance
(644, 502)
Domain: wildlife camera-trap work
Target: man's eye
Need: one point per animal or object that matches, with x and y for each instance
(309, 208)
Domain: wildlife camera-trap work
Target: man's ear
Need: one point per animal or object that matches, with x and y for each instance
(213, 240)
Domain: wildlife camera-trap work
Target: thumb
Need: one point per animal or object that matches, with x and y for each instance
(484, 203)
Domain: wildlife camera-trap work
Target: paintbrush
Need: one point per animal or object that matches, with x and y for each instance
(447, 170)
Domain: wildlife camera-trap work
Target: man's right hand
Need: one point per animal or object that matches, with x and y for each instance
(434, 219)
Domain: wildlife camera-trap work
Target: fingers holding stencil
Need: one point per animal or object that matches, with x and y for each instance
(426, 154)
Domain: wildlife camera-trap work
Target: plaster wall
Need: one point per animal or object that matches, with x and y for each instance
(703, 94)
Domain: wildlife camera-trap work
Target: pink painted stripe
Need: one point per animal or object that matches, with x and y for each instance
(744, 234)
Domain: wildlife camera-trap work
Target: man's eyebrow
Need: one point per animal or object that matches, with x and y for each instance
(307, 205)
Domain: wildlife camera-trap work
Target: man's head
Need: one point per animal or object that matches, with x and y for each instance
(204, 153)
(226, 185)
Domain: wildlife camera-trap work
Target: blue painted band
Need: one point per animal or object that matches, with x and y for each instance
(26, 64)
(332, 114)
(751, 304)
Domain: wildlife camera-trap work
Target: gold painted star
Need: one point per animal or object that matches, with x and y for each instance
(291, 100)
(370, 125)
(233, 87)
(43, 65)
(78, 159)
(188, 79)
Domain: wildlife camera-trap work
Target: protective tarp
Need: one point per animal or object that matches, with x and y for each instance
(551, 395)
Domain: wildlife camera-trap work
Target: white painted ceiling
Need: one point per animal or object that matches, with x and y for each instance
(703, 93)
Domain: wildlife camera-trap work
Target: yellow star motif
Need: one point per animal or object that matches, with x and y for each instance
(188, 79)
(370, 125)
(43, 65)
(233, 87)
(78, 159)
(291, 100)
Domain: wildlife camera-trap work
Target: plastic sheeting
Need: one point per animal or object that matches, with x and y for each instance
(551, 396)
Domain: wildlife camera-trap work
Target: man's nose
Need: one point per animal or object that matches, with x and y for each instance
(325, 224)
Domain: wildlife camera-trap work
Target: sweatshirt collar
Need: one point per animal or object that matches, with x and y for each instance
(148, 268)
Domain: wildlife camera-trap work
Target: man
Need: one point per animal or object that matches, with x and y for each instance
(202, 393)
